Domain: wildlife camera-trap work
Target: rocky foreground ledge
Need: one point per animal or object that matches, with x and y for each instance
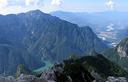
(56, 75)
(32, 78)
(75, 70)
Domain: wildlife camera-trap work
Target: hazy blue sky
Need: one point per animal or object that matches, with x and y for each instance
(16, 6)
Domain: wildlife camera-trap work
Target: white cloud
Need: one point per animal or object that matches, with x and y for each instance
(110, 4)
(110, 27)
(12, 10)
(3, 3)
(30, 2)
(18, 6)
(57, 2)
(34, 3)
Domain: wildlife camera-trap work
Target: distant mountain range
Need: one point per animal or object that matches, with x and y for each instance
(112, 26)
(33, 37)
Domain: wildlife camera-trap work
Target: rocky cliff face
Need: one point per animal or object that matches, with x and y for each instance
(119, 54)
(122, 48)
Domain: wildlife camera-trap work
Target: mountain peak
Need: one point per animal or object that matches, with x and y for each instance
(35, 11)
